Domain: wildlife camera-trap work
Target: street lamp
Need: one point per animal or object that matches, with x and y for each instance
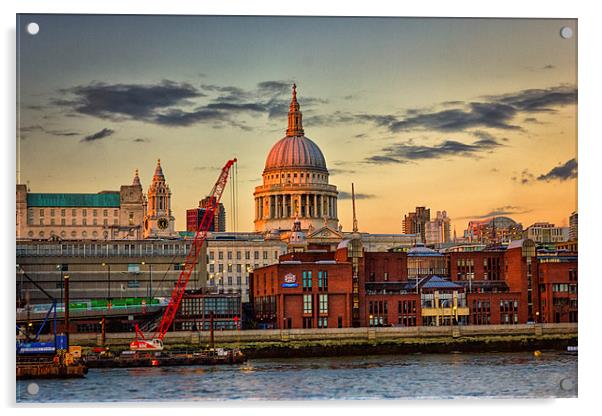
(61, 268)
(150, 275)
(370, 322)
(108, 266)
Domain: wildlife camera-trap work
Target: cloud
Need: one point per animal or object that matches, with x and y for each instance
(539, 100)
(495, 112)
(141, 140)
(379, 159)
(358, 195)
(492, 115)
(98, 135)
(524, 178)
(37, 127)
(336, 171)
(127, 101)
(174, 104)
(408, 151)
(548, 66)
(564, 172)
(499, 211)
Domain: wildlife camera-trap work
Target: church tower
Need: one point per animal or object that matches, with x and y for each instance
(159, 221)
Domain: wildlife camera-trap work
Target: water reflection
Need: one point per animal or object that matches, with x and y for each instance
(371, 377)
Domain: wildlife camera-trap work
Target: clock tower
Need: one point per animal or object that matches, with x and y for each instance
(159, 221)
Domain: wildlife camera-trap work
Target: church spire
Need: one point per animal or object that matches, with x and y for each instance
(295, 126)
(136, 181)
(158, 172)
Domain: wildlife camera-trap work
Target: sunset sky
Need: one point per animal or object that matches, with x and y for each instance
(473, 116)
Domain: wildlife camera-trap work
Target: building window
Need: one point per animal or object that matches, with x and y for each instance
(323, 301)
(230, 268)
(239, 268)
(220, 255)
(306, 278)
(62, 212)
(323, 322)
(307, 304)
(229, 280)
(238, 255)
(229, 255)
(84, 222)
(220, 268)
(105, 222)
(73, 221)
(105, 212)
(247, 255)
(84, 212)
(256, 255)
(52, 212)
(238, 281)
(63, 221)
(265, 255)
(41, 213)
(131, 218)
(323, 280)
(115, 212)
(94, 212)
(41, 221)
(211, 255)
(115, 221)
(276, 255)
(212, 268)
(94, 221)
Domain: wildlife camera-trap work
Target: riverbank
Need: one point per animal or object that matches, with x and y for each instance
(362, 341)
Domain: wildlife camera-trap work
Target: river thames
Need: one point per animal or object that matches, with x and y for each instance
(421, 376)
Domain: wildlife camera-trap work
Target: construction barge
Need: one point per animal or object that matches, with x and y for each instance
(132, 359)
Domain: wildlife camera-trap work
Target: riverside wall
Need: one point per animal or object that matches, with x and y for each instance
(358, 341)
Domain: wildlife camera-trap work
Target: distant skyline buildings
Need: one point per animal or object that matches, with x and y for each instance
(195, 215)
(415, 222)
(438, 231)
(573, 226)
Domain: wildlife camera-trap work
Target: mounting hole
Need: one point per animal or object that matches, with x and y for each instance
(33, 389)
(33, 28)
(566, 32)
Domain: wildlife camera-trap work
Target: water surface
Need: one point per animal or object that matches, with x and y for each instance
(422, 376)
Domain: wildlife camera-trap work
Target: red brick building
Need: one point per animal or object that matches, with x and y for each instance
(513, 285)
(304, 290)
(557, 277)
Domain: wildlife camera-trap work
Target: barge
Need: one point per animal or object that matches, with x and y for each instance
(132, 359)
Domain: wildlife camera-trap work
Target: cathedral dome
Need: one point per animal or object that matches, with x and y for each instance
(295, 152)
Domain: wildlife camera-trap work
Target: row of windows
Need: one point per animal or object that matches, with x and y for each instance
(220, 255)
(302, 175)
(218, 281)
(72, 234)
(564, 287)
(104, 249)
(73, 211)
(84, 221)
(308, 304)
(230, 268)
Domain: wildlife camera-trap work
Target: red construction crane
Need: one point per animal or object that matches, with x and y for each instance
(156, 343)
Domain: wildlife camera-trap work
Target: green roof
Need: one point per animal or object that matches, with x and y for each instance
(108, 199)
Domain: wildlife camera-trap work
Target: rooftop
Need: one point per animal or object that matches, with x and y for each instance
(109, 199)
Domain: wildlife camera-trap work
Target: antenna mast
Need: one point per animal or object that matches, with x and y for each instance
(353, 200)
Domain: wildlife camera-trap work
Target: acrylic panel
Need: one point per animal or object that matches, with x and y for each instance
(295, 208)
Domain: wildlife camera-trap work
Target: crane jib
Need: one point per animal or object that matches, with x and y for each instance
(193, 254)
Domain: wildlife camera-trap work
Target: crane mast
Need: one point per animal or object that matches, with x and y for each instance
(140, 342)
